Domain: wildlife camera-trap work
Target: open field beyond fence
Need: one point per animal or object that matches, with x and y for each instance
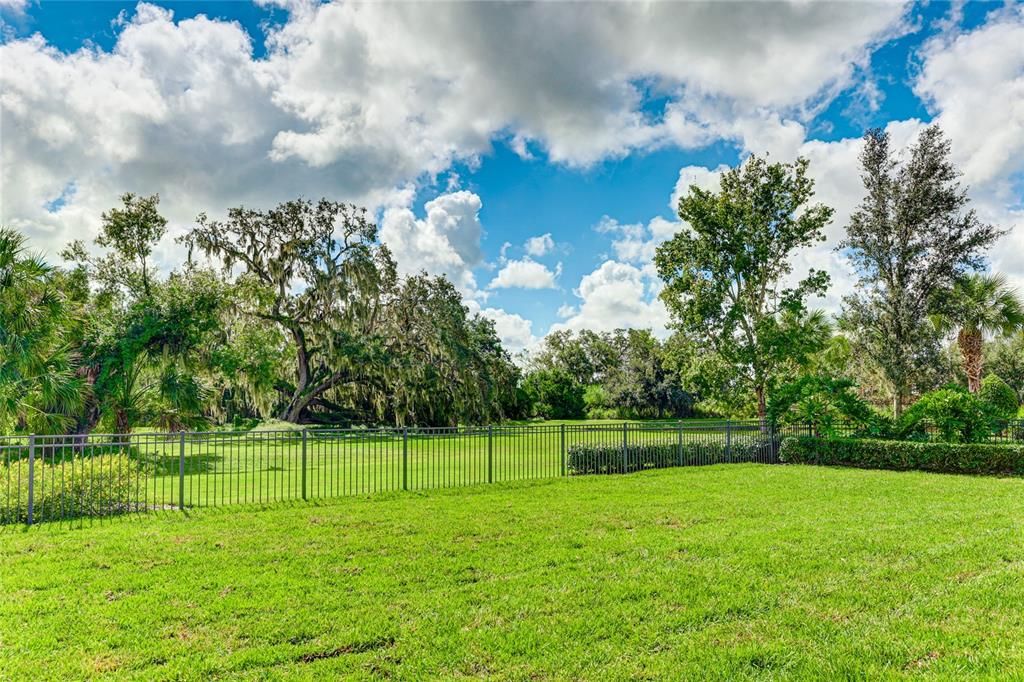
(76, 477)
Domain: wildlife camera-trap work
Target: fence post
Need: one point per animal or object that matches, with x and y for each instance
(405, 458)
(31, 478)
(490, 454)
(679, 443)
(625, 447)
(304, 439)
(565, 470)
(728, 440)
(181, 472)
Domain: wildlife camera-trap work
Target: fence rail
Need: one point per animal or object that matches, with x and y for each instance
(64, 477)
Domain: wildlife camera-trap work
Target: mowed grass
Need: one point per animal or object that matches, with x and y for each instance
(728, 571)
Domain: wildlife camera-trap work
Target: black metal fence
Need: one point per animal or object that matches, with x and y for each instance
(66, 477)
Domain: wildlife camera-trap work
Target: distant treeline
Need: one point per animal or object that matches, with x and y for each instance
(298, 313)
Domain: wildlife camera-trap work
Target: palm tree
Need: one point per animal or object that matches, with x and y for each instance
(978, 305)
(39, 390)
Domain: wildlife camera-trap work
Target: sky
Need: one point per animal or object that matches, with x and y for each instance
(532, 153)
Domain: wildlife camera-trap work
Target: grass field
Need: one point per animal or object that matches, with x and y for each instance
(728, 571)
(150, 470)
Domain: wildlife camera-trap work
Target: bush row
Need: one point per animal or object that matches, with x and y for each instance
(103, 485)
(957, 458)
(610, 459)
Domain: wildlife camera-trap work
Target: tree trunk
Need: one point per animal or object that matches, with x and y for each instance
(762, 406)
(292, 411)
(897, 403)
(970, 343)
(122, 423)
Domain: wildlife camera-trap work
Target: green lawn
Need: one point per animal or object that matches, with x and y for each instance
(704, 572)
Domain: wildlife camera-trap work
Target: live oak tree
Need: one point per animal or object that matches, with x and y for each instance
(440, 364)
(724, 274)
(912, 236)
(316, 271)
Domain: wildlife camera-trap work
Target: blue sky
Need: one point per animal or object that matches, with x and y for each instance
(515, 123)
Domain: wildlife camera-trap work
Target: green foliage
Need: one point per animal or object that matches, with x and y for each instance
(626, 373)
(39, 389)
(441, 365)
(639, 384)
(145, 342)
(724, 275)
(75, 487)
(586, 355)
(1004, 357)
(147, 357)
(614, 459)
(716, 387)
(955, 415)
(911, 236)
(317, 273)
(554, 394)
(999, 399)
(825, 404)
(595, 401)
(129, 234)
(950, 458)
(977, 305)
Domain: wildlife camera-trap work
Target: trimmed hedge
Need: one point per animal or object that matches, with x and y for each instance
(952, 458)
(608, 459)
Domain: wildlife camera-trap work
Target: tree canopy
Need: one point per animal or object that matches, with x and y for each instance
(727, 273)
(913, 235)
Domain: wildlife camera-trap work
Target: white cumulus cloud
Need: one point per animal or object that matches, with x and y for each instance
(445, 242)
(539, 246)
(525, 274)
(616, 295)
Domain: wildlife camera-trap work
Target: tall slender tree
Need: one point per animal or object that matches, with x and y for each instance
(912, 235)
(976, 306)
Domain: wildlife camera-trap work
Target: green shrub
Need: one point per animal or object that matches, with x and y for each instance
(955, 458)
(955, 415)
(610, 459)
(827, 405)
(998, 398)
(102, 485)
